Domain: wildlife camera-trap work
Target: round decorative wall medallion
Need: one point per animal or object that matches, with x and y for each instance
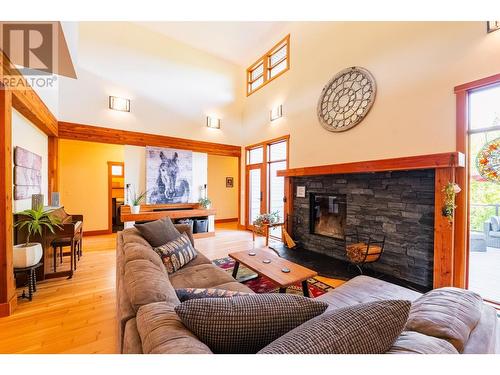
(346, 99)
(488, 161)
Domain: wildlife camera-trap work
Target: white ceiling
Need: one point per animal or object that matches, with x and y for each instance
(238, 42)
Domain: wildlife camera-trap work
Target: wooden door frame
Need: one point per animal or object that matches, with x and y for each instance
(110, 191)
(260, 166)
(264, 175)
(462, 219)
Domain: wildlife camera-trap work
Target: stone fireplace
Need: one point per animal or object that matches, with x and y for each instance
(398, 205)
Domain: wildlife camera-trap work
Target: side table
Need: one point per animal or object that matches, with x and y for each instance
(31, 279)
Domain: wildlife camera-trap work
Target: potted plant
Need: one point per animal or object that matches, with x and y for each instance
(135, 203)
(34, 220)
(206, 203)
(264, 219)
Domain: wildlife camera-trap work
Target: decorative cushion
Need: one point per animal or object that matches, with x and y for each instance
(356, 252)
(368, 328)
(410, 342)
(146, 283)
(158, 232)
(185, 294)
(177, 253)
(446, 313)
(495, 223)
(248, 323)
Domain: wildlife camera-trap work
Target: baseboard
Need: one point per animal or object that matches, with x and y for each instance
(229, 220)
(96, 232)
(241, 227)
(203, 235)
(7, 308)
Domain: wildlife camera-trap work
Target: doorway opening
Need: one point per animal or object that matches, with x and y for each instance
(116, 196)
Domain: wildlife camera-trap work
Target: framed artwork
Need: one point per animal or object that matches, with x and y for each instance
(27, 173)
(229, 182)
(301, 191)
(169, 175)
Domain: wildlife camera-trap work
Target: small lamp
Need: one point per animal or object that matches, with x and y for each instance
(213, 122)
(119, 104)
(276, 112)
(492, 26)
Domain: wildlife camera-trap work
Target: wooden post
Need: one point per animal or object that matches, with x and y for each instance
(443, 232)
(8, 298)
(288, 205)
(53, 170)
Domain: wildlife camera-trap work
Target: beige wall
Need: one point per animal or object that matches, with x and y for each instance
(224, 200)
(28, 136)
(172, 86)
(83, 179)
(416, 66)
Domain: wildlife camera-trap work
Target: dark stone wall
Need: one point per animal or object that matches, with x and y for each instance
(399, 205)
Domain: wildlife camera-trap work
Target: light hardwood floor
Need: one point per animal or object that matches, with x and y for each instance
(78, 315)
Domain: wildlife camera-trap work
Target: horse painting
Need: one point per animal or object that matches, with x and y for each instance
(169, 186)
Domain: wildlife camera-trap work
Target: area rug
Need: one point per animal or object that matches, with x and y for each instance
(264, 285)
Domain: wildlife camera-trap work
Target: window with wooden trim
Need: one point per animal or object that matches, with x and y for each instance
(274, 63)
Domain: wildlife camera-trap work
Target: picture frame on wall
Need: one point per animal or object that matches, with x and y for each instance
(229, 182)
(301, 192)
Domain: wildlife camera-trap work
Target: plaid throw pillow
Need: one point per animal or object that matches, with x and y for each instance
(177, 253)
(185, 294)
(367, 328)
(246, 324)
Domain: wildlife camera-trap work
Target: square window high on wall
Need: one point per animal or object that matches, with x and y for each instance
(275, 62)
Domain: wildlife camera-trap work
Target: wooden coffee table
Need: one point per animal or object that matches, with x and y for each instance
(273, 270)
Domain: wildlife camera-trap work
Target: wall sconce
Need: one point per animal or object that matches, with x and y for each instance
(492, 26)
(276, 112)
(213, 122)
(119, 104)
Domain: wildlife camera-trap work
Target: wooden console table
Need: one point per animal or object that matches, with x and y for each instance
(151, 212)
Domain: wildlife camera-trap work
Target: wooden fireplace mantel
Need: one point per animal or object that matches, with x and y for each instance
(444, 164)
(433, 161)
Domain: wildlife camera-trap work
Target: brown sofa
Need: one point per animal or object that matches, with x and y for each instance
(148, 324)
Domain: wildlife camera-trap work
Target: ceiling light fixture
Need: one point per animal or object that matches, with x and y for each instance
(492, 26)
(119, 104)
(213, 122)
(276, 112)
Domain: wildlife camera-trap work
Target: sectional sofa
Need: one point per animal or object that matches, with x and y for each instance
(147, 322)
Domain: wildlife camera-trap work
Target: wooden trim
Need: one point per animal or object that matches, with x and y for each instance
(7, 284)
(203, 235)
(53, 170)
(26, 101)
(443, 232)
(174, 214)
(229, 220)
(444, 160)
(239, 190)
(477, 84)
(110, 192)
(95, 232)
(288, 205)
(81, 132)
(462, 220)
(266, 69)
(272, 141)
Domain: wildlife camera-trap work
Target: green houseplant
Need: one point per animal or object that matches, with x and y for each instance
(34, 220)
(136, 201)
(205, 202)
(264, 219)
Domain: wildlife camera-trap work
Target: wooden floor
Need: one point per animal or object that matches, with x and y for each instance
(78, 315)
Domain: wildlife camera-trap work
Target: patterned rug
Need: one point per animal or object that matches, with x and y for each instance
(264, 285)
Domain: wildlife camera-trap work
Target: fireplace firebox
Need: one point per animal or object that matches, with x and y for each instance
(328, 214)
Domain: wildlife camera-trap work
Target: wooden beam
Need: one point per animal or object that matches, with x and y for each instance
(443, 232)
(81, 132)
(53, 170)
(8, 298)
(26, 100)
(444, 160)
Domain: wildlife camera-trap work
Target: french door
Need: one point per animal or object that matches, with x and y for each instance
(264, 189)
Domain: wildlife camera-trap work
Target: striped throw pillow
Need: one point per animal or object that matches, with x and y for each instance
(177, 253)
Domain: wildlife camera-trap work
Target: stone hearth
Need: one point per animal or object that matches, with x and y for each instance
(399, 205)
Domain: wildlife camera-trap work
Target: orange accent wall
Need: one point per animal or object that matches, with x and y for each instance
(83, 179)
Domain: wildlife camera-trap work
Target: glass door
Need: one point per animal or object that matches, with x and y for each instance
(484, 161)
(254, 192)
